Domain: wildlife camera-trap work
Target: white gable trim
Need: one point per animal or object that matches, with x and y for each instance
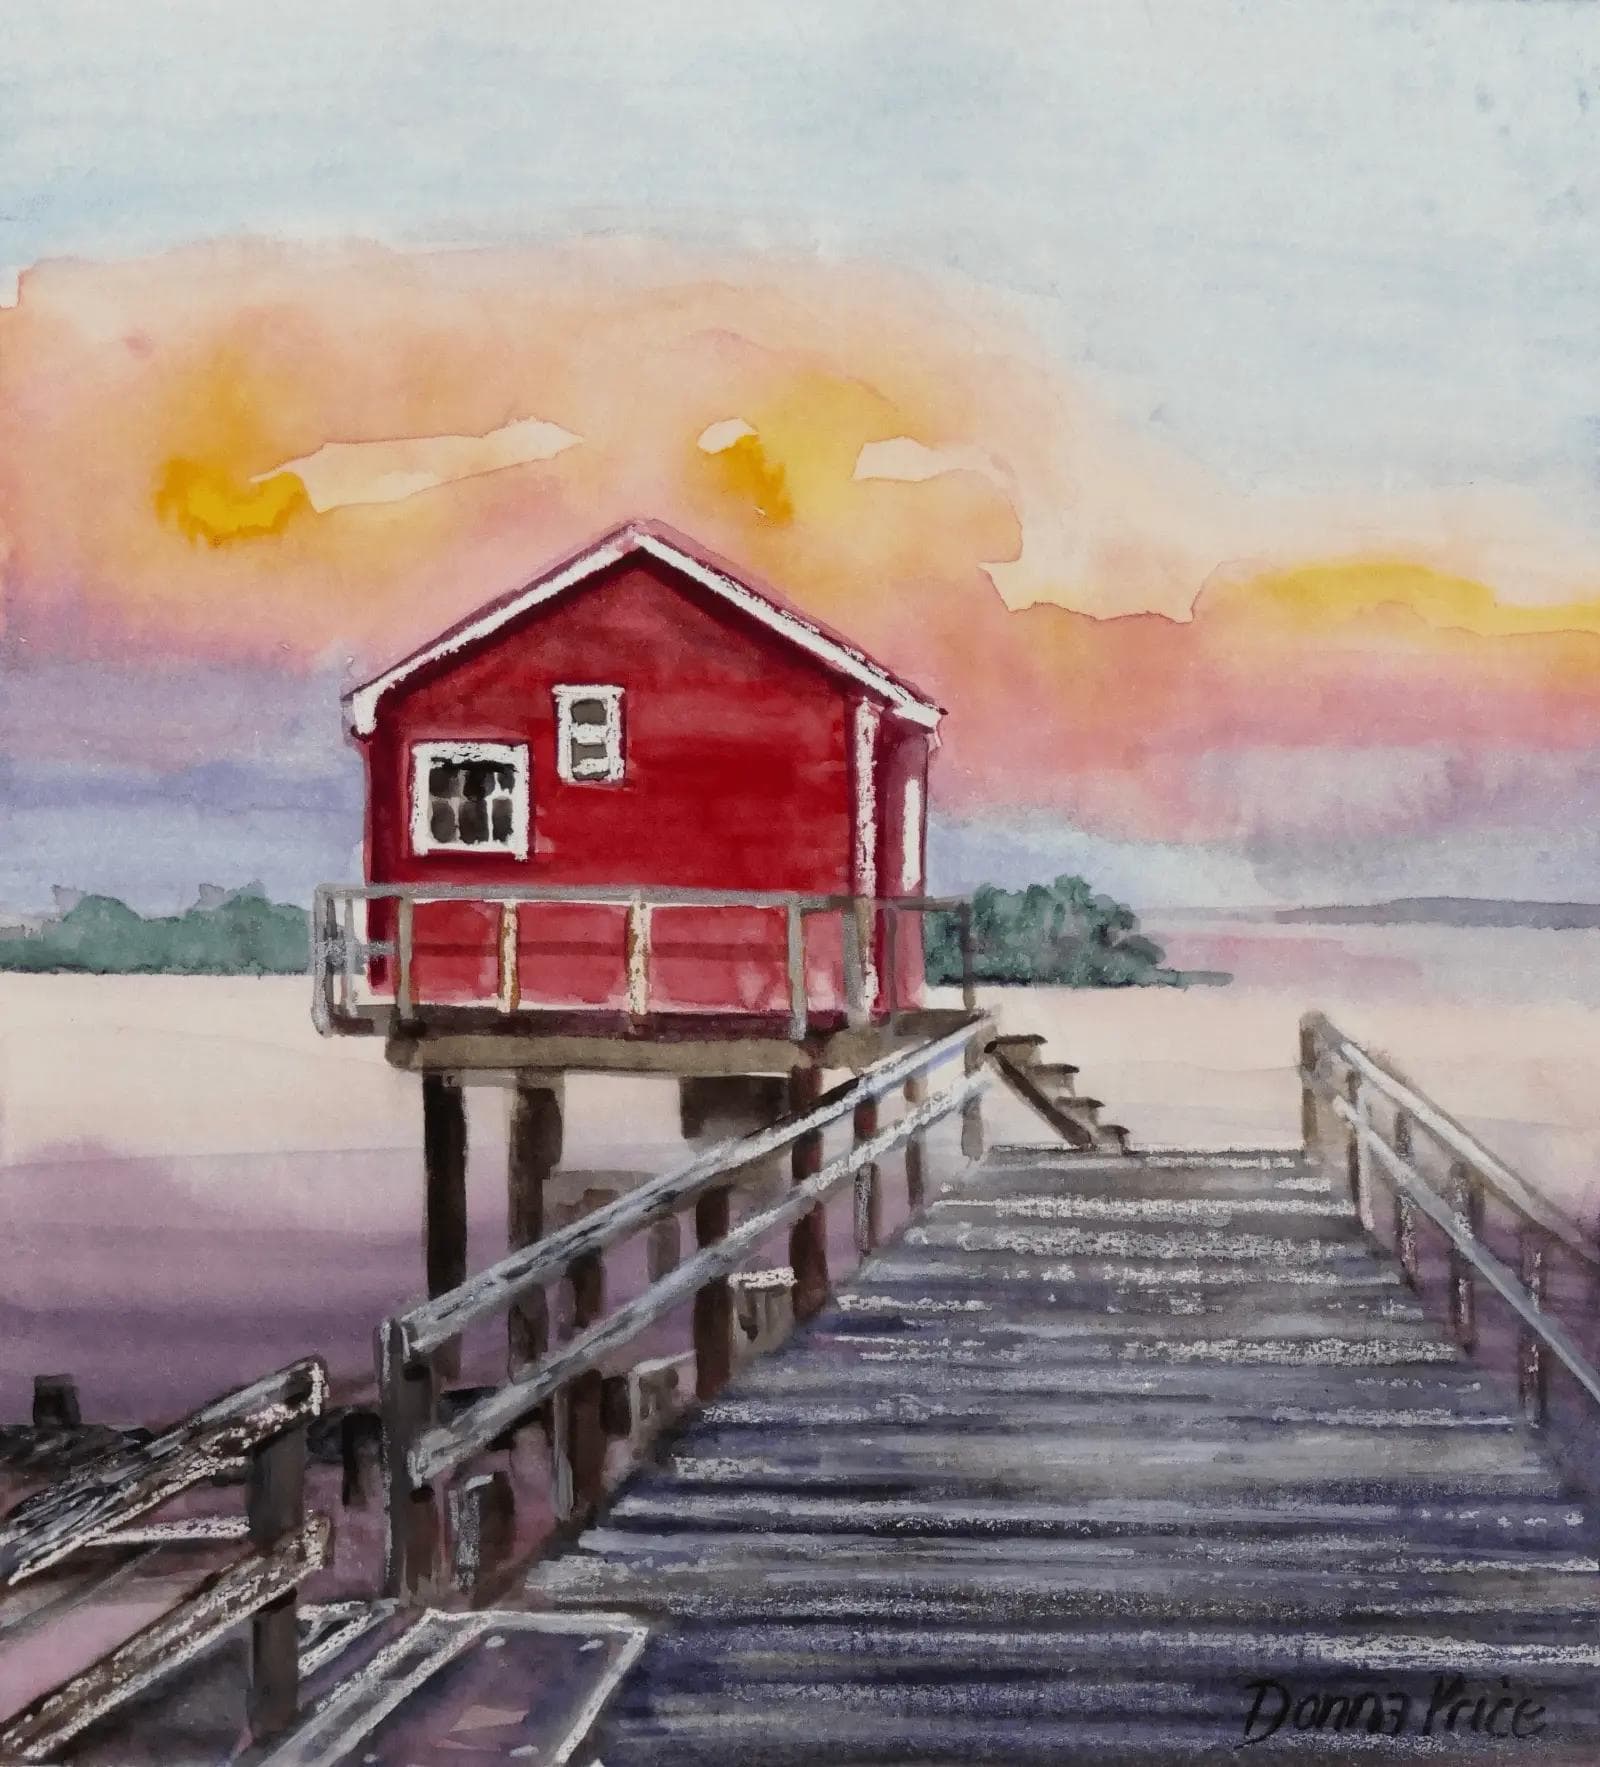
(361, 705)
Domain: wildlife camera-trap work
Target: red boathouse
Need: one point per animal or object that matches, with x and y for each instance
(640, 787)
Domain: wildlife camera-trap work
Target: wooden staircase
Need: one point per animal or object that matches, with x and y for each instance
(1051, 1089)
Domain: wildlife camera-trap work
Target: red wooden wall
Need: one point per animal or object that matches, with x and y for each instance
(738, 777)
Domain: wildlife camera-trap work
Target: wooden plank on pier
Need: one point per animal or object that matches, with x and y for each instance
(1088, 1449)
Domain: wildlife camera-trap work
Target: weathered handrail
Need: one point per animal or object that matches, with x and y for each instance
(1474, 1173)
(421, 1449)
(340, 955)
(259, 1429)
(433, 1323)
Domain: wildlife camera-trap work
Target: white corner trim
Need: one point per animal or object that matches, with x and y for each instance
(911, 838)
(866, 720)
(512, 754)
(609, 733)
(362, 703)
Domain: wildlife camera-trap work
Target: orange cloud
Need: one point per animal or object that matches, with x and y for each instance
(1104, 619)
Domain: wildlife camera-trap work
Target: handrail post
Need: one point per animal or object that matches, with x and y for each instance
(510, 989)
(1405, 1215)
(1310, 1115)
(713, 1303)
(857, 1010)
(969, 980)
(1466, 1196)
(808, 1238)
(1533, 1370)
(276, 1482)
(794, 937)
(323, 924)
(1354, 1153)
(407, 1400)
(404, 991)
(636, 936)
(347, 957)
(973, 1059)
(868, 1194)
(916, 1090)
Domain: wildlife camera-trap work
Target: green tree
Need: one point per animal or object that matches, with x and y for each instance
(1060, 933)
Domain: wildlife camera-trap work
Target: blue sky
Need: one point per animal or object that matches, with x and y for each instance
(1318, 243)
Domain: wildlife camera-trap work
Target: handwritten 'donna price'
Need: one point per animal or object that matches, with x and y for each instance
(1455, 1707)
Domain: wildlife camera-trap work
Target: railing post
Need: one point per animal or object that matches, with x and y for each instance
(713, 1302)
(1310, 1114)
(1354, 1153)
(856, 1009)
(582, 1476)
(510, 959)
(794, 938)
(404, 991)
(407, 1402)
(276, 1482)
(972, 1111)
(637, 940)
(1405, 1214)
(1466, 1197)
(891, 963)
(969, 982)
(808, 1238)
(347, 956)
(868, 1194)
(1533, 1373)
(916, 1090)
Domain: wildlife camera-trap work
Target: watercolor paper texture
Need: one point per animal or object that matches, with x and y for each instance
(642, 652)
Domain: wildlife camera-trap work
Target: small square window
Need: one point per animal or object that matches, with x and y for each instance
(589, 734)
(469, 797)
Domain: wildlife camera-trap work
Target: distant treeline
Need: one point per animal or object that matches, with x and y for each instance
(244, 934)
(1060, 934)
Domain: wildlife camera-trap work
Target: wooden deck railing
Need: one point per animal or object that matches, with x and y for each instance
(1439, 1176)
(869, 929)
(260, 1430)
(422, 1449)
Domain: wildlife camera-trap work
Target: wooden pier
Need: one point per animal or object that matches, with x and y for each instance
(1105, 1455)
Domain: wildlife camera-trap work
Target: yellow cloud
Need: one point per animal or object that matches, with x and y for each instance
(1340, 591)
(746, 471)
(206, 503)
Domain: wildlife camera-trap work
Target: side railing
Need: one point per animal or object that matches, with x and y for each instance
(259, 1431)
(574, 1389)
(343, 949)
(1458, 1219)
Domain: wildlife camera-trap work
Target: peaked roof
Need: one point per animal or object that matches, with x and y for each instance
(673, 550)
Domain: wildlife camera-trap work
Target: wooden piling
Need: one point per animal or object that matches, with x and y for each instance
(583, 1437)
(276, 1480)
(407, 1398)
(808, 1238)
(444, 1165)
(713, 1303)
(533, 1153)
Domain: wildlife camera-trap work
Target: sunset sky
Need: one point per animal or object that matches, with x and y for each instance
(1200, 397)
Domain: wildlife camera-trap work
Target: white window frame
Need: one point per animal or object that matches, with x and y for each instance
(426, 755)
(613, 768)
